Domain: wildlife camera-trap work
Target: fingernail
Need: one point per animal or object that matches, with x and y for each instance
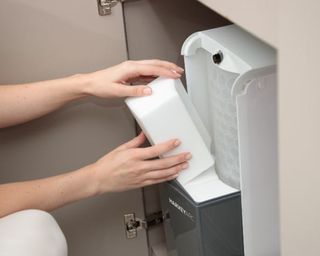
(185, 166)
(147, 91)
(177, 142)
(181, 69)
(188, 156)
(175, 72)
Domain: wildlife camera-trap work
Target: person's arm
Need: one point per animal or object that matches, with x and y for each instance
(24, 102)
(126, 167)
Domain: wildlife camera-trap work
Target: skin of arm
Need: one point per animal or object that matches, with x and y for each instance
(24, 102)
(126, 167)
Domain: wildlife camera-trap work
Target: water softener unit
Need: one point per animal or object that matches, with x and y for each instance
(226, 203)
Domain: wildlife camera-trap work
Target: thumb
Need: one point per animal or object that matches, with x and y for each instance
(122, 90)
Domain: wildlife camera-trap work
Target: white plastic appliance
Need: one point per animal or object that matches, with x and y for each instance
(231, 81)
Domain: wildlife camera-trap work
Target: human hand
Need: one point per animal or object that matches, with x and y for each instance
(115, 81)
(128, 167)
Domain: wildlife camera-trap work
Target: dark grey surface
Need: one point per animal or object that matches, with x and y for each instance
(215, 228)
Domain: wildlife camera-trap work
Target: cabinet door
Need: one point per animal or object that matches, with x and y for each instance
(44, 39)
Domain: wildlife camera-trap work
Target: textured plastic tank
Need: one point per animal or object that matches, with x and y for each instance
(168, 113)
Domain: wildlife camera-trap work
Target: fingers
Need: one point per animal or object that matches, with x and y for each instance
(167, 162)
(165, 169)
(122, 90)
(143, 80)
(136, 69)
(156, 181)
(148, 69)
(159, 149)
(154, 70)
(164, 173)
(164, 64)
(134, 143)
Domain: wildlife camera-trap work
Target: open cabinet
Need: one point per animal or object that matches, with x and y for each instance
(45, 40)
(292, 28)
(231, 80)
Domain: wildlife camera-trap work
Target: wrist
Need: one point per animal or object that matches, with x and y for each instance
(80, 84)
(97, 182)
(91, 182)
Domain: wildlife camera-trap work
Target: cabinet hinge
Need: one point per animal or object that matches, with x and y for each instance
(133, 224)
(105, 6)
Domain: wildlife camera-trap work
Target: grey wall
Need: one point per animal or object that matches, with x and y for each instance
(44, 39)
(157, 28)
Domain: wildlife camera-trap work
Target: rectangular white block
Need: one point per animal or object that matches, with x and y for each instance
(167, 114)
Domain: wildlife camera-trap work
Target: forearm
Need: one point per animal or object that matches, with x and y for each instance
(49, 193)
(22, 103)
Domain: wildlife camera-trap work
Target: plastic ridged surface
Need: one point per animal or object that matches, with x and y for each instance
(223, 124)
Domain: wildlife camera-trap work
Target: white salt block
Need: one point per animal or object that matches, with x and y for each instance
(168, 114)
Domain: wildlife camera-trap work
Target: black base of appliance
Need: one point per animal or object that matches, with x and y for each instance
(211, 228)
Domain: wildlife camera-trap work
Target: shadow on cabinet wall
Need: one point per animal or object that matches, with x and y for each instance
(158, 28)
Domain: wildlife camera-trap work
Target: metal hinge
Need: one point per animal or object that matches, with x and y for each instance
(105, 6)
(133, 224)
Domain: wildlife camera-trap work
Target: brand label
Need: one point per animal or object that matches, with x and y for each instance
(181, 209)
